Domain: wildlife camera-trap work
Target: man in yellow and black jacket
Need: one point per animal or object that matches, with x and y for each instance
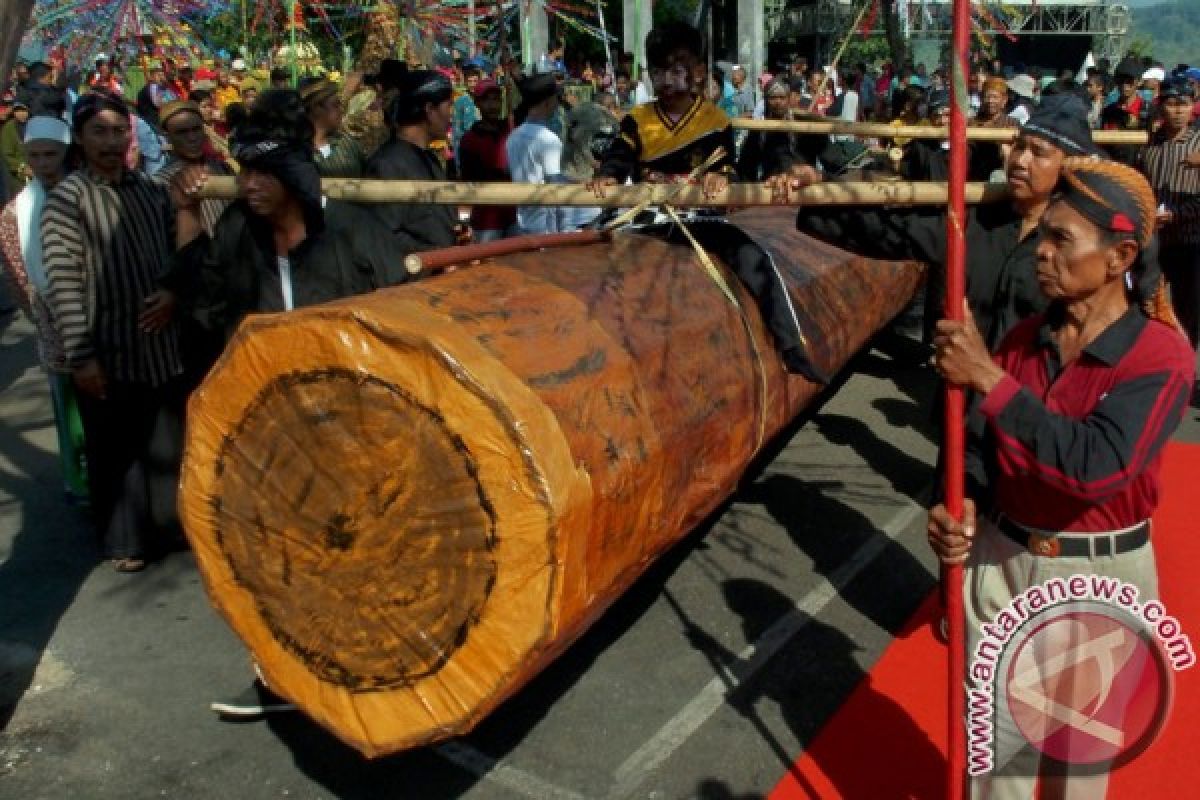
(665, 140)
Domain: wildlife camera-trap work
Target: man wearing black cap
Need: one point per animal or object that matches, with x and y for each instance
(418, 114)
(1177, 189)
(1001, 237)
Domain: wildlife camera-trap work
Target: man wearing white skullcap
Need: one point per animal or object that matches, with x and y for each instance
(46, 142)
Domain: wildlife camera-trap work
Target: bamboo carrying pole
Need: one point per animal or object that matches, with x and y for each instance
(739, 195)
(407, 503)
(883, 130)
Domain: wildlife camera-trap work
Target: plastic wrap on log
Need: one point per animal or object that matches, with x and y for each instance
(407, 503)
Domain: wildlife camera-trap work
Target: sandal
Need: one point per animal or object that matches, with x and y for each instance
(131, 564)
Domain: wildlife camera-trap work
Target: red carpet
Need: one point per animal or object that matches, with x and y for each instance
(889, 739)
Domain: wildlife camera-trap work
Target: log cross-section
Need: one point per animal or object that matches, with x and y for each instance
(408, 503)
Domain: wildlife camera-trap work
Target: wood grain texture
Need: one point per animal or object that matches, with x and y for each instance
(408, 503)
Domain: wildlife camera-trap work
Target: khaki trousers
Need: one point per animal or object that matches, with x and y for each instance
(997, 570)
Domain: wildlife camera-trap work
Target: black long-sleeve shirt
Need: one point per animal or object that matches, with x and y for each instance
(416, 227)
(1002, 286)
(237, 271)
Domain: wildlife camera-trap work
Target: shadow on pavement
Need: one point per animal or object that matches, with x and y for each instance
(829, 532)
(809, 680)
(48, 560)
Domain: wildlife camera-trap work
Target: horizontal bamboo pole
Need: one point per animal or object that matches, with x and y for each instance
(739, 195)
(885, 131)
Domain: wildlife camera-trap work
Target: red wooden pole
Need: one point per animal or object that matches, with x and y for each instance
(956, 251)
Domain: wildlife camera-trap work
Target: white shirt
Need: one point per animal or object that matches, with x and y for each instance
(285, 281)
(535, 156)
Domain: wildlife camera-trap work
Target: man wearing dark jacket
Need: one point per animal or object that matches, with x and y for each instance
(281, 245)
(418, 114)
(1002, 238)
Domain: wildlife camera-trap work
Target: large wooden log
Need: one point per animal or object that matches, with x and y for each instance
(406, 504)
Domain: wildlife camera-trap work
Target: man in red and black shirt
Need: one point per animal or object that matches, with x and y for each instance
(1078, 404)
(483, 156)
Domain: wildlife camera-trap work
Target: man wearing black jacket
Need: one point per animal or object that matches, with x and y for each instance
(1002, 238)
(281, 245)
(418, 114)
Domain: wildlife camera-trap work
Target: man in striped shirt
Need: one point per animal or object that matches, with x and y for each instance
(107, 237)
(1176, 185)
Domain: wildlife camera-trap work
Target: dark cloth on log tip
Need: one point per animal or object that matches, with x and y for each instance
(757, 270)
(1002, 286)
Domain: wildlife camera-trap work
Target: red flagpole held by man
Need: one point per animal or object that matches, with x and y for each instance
(956, 251)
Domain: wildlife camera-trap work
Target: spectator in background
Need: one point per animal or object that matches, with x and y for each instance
(820, 90)
(337, 155)
(866, 91)
(1127, 112)
(1097, 92)
(992, 105)
(483, 156)
(591, 129)
(466, 114)
(1152, 80)
(12, 148)
(187, 134)
(280, 78)
(226, 91)
(154, 94)
(608, 101)
(104, 77)
(108, 245)
(1177, 189)
(41, 94)
(249, 96)
(46, 142)
(535, 151)
(1024, 90)
(743, 93)
(623, 91)
(979, 78)
(847, 103)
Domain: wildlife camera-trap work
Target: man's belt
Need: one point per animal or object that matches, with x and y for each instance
(1075, 545)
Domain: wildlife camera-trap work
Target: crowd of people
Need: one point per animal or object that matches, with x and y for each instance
(136, 280)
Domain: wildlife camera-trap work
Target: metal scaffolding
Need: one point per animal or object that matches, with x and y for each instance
(1107, 23)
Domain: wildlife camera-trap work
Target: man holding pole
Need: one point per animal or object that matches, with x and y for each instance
(1076, 407)
(1002, 238)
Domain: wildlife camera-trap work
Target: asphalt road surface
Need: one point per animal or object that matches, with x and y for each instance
(705, 680)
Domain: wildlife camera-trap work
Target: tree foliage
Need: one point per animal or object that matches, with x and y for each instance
(1169, 31)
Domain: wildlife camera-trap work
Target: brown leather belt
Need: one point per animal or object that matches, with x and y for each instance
(1075, 545)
